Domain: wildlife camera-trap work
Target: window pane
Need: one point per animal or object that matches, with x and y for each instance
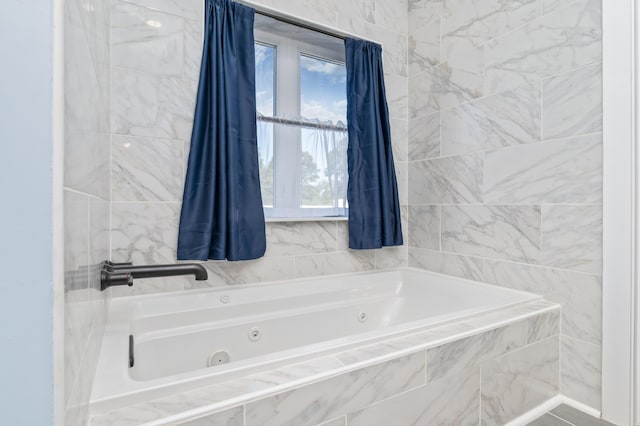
(265, 101)
(324, 168)
(323, 90)
(265, 161)
(265, 79)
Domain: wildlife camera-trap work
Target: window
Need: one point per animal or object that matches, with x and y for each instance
(302, 138)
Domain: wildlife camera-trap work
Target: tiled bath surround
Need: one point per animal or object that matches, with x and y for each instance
(505, 157)
(488, 369)
(86, 195)
(155, 53)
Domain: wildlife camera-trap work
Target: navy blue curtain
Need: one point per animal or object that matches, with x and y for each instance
(374, 209)
(222, 215)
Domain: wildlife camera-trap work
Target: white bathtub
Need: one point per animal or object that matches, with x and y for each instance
(262, 326)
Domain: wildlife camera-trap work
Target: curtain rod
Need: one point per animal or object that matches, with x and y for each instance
(301, 123)
(300, 24)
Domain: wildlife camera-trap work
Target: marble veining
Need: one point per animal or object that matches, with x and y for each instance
(565, 171)
(424, 137)
(152, 106)
(144, 233)
(580, 294)
(334, 263)
(454, 357)
(340, 395)
(441, 87)
(519, 381)
(510, 118)
(446, 180)
(451, 401)
(297, 238)
(144, 169)
(581, 371)
(543, 326)
(572, 237)
(496, 231)
(147, 40)
(556, 43)
(232, 417)
(573, 103)
(446, 263)
(424, 227)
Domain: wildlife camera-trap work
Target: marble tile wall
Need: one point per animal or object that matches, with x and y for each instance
(505, 159)
(86, 195)
(155, 55)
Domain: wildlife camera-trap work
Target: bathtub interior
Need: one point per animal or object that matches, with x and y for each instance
(208, 336)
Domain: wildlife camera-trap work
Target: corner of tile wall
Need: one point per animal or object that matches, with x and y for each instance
(505, 158)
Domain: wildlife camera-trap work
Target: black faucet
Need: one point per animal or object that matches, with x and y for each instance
(124, 273)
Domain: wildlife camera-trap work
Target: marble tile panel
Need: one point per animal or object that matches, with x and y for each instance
(191, 9)
(446, 180)
(424, 227)
(192, 49)
(85, 105)
(86, 160)
(464, 61)
(392, 15)
(566, 171)
(360, 9)
(99, 251)
(510, 118)
(482, 20)
(147, 40)
(440, 87)
(231, 417)
(144, 233)
(424, 137)
(579, 294)
(334, 263)
(542, 326)
(402, 181)
(572, 237)
(581, 371)
(392, 257)
(452, 401)
(396, 91)
(152, 106)
(519, 381)
(346, 393)
(247, 271)
(556, 43)
(573, 103)
(452, 358)
(146, 169)
(340, 421)
(78, 315)
(496, 231)
(446, 263)
(399, 139)
(297, 238)
(424, 41)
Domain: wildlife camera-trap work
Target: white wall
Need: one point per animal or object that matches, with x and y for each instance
(26, 181)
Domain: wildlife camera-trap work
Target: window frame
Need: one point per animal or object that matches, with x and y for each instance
(287, 192)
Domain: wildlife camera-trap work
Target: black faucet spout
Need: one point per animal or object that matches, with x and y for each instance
(124, 274)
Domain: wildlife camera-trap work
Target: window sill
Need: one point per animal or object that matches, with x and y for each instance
(308, 219)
